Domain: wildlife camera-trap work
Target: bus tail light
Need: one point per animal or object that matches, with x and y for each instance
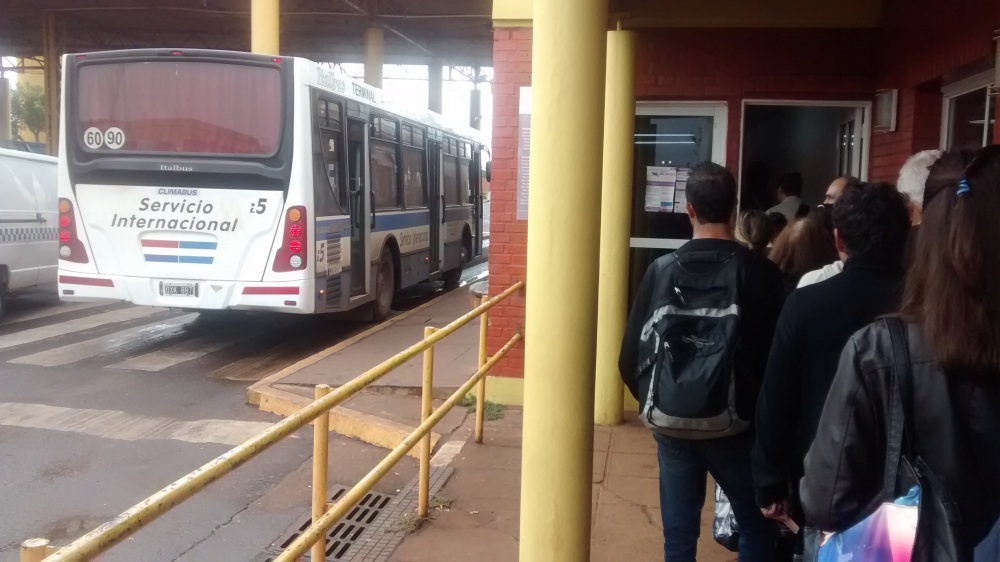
(70, 247)
(292, 256)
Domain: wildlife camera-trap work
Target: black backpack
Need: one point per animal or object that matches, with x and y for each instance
(687, 349)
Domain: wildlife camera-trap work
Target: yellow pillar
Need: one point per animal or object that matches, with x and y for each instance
(561, 313)
(374, 47)
(616, 200)
(435, 85)
(264, 25)
(52, 59)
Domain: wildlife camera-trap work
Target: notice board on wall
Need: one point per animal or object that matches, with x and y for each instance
(666, 189)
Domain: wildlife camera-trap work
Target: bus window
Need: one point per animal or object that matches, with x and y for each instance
(449, 173)
(384, 164)
(414, 168)
(331, 150)
(179, 106)
(464, 193)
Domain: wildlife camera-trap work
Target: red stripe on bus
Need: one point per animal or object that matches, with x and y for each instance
(160, 244)
(71, 280)
(270, 290)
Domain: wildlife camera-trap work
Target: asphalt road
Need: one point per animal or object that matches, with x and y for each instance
(100, 406)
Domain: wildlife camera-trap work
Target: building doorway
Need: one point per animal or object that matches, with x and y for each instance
(819, 140)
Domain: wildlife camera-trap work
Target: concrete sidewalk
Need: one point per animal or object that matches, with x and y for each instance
(483, 519)
(387, 411)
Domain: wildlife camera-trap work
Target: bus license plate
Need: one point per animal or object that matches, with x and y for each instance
(179, 289)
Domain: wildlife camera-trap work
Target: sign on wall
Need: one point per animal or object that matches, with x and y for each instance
(666, 189)
(523, 151)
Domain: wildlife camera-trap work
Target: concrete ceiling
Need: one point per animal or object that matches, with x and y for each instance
(416, 31)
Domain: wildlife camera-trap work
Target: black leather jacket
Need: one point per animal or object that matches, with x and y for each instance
(958, 435)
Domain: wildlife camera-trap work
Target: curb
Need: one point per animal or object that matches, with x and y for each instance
(344, 421)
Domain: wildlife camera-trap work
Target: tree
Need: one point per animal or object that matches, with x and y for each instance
(27, 109)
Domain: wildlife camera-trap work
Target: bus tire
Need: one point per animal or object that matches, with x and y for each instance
(453, 277)
(385, 286)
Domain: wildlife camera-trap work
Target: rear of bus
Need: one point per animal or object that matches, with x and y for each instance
(174, 177)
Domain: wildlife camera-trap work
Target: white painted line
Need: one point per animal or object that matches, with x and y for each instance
(60, 308)
(78, 325)
(86, 349)
(189, 350)
(113, 424)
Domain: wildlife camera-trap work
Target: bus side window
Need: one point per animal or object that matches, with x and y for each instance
(449, 172)
(332, 151)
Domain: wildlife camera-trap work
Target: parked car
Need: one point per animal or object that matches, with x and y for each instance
(29, 229)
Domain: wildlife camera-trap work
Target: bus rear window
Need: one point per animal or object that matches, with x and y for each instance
(179, 107)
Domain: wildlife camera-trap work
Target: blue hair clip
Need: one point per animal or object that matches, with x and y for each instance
(963, 187)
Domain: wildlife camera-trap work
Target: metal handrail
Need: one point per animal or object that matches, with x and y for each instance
(111, 533)
(317, 531)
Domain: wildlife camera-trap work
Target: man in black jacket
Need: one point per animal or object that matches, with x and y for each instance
(871, 223)
(685, 463)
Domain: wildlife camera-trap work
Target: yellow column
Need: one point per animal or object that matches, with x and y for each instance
(435, 85)
(264, 25)
(616, 199)
(561, 314)
(51, 56)
(374, 47)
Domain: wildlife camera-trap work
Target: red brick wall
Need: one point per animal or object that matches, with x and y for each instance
(726, 65)
(922, 41)
(735, 64)
(508, 237)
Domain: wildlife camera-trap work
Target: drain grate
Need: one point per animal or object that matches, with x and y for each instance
(345, 534)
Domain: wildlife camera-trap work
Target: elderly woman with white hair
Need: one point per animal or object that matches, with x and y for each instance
(913, 179)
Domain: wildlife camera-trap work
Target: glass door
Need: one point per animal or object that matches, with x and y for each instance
(670, 139)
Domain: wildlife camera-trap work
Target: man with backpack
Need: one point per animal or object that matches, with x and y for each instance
(693, 355)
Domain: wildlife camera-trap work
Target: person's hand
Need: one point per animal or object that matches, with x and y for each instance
(777, 510)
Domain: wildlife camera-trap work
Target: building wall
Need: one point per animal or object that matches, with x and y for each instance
(922, 45)
(672, 64)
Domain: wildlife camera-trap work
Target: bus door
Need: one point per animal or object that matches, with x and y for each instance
(357, 157)
(436, 204)
(477, 200)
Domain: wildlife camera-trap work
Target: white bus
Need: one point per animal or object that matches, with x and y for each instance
(212, 180)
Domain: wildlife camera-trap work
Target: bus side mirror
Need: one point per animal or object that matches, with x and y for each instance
(489, 171)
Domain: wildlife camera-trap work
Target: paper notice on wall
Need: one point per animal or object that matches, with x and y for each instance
(680, 190)
(523, 152)
(661, 183)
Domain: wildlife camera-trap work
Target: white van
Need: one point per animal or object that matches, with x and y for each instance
(29, 221)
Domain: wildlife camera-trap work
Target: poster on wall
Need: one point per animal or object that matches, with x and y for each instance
(680, 190)
(523, 152)
(661, 182)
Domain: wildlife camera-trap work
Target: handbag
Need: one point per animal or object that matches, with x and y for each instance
(922, 526)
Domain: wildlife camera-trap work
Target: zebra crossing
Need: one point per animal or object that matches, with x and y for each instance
(149, 339)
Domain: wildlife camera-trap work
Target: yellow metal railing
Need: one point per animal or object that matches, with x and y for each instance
(323, 516)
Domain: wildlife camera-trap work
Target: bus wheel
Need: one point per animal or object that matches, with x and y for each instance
(453, 277)
(385, 286)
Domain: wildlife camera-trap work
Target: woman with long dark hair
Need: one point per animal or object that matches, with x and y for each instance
(951, 309)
